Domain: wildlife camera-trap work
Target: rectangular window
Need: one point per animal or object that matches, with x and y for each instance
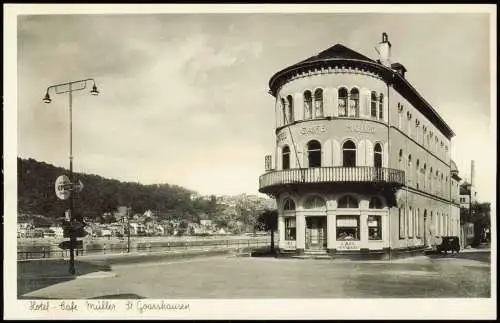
(402, 223)
(290, 229)
(418, 223)
(374, 227)
(347, 227)
(410, 223)
(374, 107)
(438, 222)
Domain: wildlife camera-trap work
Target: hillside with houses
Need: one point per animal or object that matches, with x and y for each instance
(110, 208)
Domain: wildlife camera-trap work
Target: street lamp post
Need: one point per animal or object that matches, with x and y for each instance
(70, 89)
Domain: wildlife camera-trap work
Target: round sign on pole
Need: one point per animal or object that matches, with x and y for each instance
(61, 186)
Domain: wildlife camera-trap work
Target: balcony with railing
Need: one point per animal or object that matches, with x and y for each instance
(271, 180)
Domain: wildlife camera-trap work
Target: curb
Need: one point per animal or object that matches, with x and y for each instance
(98, 274)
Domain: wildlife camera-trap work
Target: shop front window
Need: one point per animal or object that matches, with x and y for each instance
(374, 227)
(290, 229)
(348, 228)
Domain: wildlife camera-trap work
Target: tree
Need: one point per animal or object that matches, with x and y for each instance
(480, 217)
(183, 226)
(268, 221)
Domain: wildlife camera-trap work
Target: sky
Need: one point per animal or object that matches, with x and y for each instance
(184, 96)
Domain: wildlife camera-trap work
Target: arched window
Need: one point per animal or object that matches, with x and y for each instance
(289, 100)
(417, 179)
(354, 103)
(314, 202)
(348, 202)
(425, 173)
(286, 157)
(377, 156)
(318, 103)
(374, 104)
(410, 223)
(307, 105)
(418, 224)
(342, 102)
(430, 179)
(288, 205)
(314, 153)
(438, 227)
(349, 154)
(409, 171)
(425, 227)
(375, 203)
(283, 111)
(381, 107)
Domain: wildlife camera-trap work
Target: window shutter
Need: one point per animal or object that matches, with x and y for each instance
(336, 153)
(327, 154)
(369, 153)
(335, 108)
(327, 102)
(366, 101)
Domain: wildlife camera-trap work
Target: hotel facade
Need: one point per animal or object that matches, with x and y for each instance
(362, 163)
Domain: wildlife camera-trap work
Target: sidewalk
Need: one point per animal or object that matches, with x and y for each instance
(487, 249)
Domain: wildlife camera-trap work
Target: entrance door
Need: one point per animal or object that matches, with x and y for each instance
(316, 232)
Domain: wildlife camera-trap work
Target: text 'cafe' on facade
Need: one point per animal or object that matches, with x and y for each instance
(362, 161)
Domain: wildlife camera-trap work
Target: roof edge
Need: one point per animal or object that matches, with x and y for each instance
(387, 71)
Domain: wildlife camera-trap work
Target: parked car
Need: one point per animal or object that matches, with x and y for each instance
(449, 243)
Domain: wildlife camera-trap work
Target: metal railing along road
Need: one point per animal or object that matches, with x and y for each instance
(331, 175)
(237, 244)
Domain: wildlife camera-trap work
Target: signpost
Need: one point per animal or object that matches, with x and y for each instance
(72, 228)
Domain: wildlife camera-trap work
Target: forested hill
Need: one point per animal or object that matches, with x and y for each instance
(36, 194)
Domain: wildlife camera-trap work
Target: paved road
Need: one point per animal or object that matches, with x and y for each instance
(463, 275)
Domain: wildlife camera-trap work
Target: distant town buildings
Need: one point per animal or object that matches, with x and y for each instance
(117, 223)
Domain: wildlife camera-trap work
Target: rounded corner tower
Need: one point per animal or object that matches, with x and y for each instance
(354, 170)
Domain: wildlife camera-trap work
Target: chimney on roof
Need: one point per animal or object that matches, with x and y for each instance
(399, 68)
(384, 50)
